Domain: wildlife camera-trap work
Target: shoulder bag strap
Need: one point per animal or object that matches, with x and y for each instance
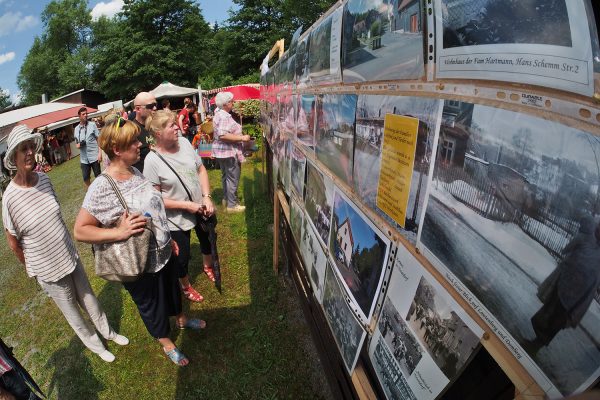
(176, 174)
(117, 191)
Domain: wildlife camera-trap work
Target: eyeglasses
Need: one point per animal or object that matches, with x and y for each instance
(148, 106)
(121, 122)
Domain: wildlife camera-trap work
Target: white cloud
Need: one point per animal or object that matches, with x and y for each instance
(16, 22)
(109, 9)
(6, 57)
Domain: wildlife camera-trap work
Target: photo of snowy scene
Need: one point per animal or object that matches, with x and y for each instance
(347, 331)
(359, 251)
(296, 219)
(314, 258)
(478, 22)
(318, 200)
(370, 114)
(404, 345)
(382, 40)
(445, 336)
(513, 212)
(305, 121)
(335, 133)
(298, 171)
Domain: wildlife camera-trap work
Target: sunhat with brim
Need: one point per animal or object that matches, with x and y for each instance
(19, 134)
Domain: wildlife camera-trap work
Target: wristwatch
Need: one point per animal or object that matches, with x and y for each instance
(207, 195)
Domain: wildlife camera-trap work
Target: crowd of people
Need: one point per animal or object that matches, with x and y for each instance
(162, 180)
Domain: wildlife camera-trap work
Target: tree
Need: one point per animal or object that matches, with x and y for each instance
(4, 99)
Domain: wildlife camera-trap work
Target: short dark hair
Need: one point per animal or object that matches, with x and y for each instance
(82, 109)
(165, 102)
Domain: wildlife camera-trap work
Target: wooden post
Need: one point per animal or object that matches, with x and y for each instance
(361, 383)
(275, 231)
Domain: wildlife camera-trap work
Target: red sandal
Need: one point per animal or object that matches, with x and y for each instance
(209, 273)
(191, 294)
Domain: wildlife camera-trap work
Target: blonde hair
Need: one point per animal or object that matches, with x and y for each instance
(158, 121)
(119, 137)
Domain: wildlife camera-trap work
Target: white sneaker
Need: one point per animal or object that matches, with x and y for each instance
(120, 340)
(107, 356)
(237, 208)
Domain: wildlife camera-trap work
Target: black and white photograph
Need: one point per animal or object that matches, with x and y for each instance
(324, 52)
(359, 251)
(382, 40)
(318, 199)
(445, 336)
(315, 259)
(298, 166)
(391, 379)
(302, 54)
(296, 219)
(512, 213)
(305, 121)
(404, 345)
(347, 331)
(335, 133)
(538, 42)
(285, 164)
(370, 115)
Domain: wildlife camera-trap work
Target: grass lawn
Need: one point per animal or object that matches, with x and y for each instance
(256, 345)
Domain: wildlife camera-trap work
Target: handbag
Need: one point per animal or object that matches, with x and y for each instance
(125, 260)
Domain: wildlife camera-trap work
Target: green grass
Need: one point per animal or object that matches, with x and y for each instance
(256, 345)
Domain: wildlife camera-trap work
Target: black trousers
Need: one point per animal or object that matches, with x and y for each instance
(14, 384)
(183, 241)
(157, 297)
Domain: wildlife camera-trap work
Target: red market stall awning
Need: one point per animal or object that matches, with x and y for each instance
(241, 92)
(52, 117)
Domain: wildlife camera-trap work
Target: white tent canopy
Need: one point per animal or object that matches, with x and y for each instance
(167, 89)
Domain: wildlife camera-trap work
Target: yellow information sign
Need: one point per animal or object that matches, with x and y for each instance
(397, 160)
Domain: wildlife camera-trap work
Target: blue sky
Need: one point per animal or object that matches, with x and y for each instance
(361, 231)
(20, 23)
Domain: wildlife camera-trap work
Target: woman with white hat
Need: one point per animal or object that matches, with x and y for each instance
(227, 149)
(44, 245)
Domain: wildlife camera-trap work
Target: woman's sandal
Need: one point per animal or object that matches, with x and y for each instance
(191, 294)
(176, 356)
(194, 324)
(209, 272)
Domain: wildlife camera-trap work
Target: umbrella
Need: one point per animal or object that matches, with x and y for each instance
(209, 224)
(241, 92)
(18, 368)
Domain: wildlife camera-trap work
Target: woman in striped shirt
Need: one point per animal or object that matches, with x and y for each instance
(39, 238)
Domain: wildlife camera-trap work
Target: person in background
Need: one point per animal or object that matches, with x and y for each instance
(86, 137)
(156, 293)
(144, 105)
(227, 149)
(166, 104)
(182, 211)
(183, 120)
(37, 235)
(194, 122)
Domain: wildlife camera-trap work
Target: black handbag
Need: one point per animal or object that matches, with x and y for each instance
(125, 260)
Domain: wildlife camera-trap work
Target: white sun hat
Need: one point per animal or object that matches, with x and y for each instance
(19, 134)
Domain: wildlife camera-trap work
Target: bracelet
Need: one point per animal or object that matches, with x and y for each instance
(207, 195)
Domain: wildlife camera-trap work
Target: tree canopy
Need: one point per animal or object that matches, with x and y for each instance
(151, 41)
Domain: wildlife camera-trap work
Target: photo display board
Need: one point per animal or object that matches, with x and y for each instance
(476, 157)
(423, 339)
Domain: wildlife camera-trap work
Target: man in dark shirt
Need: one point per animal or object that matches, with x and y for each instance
(144, 105)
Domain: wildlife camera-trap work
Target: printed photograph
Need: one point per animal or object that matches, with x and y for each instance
(347, 331)
(302, 63)
(359, 251)
(335, 133)
(513, 213)
(382, 40)
(298, 166)
(296, 219)
(392, 381)
(318, 199)
(305, 122)
(370, 115)
(479, 22)
(445, 336)
(404, 345)
(314, 258)
(319, 55)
